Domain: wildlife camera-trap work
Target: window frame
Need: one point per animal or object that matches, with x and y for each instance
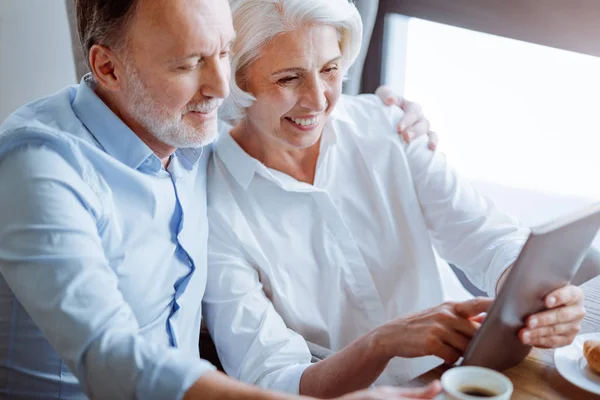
(571, 25)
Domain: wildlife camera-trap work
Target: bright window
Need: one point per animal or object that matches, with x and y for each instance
(510, 113)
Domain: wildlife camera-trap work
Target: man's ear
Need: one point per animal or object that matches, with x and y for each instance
(107, 68)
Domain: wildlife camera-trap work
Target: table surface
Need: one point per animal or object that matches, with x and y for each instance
(536, 377)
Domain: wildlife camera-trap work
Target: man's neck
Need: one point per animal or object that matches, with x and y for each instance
(161, 150)
(300, 164)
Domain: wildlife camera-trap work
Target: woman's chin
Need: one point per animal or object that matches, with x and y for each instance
(301, 138)
(303, 141)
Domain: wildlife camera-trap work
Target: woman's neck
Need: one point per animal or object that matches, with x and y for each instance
(300, 164)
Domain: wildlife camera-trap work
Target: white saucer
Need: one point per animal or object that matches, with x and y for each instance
(571, 364)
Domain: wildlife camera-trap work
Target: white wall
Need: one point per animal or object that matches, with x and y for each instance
(35, 51)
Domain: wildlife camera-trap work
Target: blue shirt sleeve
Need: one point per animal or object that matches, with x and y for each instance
(52, 258)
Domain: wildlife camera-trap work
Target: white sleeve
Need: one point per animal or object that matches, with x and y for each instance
(467, 229)
(252, 340)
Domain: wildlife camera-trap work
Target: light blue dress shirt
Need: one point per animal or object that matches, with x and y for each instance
(102, 256)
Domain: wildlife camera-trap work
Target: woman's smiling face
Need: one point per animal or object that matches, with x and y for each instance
(296, 81)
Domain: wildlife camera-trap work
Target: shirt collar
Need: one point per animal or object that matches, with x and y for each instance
(192, 154)
(340, 113)
(339, 120)
(243, 167)
(239, 163)
(115, 137)
(109, 130)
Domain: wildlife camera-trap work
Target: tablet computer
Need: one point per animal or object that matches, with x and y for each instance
(549, 260)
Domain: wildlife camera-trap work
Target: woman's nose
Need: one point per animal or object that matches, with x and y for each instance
(314, 96)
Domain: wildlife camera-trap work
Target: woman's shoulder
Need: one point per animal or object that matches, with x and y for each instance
(359, 106)
(368, 114)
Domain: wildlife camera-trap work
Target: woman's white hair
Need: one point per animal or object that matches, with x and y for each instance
(258, 21)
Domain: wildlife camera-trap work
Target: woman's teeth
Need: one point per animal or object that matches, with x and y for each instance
(304, 121)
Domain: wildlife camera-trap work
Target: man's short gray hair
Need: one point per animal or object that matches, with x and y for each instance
(258, 21)
(103, 22)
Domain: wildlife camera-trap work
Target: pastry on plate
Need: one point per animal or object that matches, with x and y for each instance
(591, 352)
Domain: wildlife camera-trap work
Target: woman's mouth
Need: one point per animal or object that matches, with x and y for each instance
(304, 123)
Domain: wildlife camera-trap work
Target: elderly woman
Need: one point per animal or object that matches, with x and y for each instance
(326, 225)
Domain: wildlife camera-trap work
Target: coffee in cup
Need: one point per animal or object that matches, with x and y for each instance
(478, 391)
(470, 383)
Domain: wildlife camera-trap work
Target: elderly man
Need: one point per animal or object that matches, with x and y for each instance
(103, 214)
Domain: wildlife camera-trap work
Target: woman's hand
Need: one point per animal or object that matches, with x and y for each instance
(383, 393)
(444, 331)
(413, 124)
(560, 323)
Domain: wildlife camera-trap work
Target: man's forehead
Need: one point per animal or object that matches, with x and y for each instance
(179, 24)
(181, 15)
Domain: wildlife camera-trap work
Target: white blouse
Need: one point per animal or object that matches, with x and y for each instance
(333, 260)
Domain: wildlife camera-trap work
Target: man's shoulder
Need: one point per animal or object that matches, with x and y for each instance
(49, 118)
(48, 122)
(46, 139)
(51, 111)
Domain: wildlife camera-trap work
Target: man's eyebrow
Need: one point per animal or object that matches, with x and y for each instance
(187, 57)
(198, 55)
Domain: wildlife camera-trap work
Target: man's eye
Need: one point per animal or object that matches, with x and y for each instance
(330, 70)
(224, 53)
(287, 80)
(188, 67)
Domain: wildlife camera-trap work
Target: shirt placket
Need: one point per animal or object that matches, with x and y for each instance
(355, 268)
(181, 284)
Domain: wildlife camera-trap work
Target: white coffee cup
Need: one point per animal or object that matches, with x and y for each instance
(462, 383)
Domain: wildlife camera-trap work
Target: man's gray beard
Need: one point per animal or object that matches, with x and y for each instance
(165, 127)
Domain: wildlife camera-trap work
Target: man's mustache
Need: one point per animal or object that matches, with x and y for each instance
(204, 106)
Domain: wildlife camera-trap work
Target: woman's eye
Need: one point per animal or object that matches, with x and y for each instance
(330, 70)
(224, 53)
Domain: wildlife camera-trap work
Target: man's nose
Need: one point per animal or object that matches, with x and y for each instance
(216, 80)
